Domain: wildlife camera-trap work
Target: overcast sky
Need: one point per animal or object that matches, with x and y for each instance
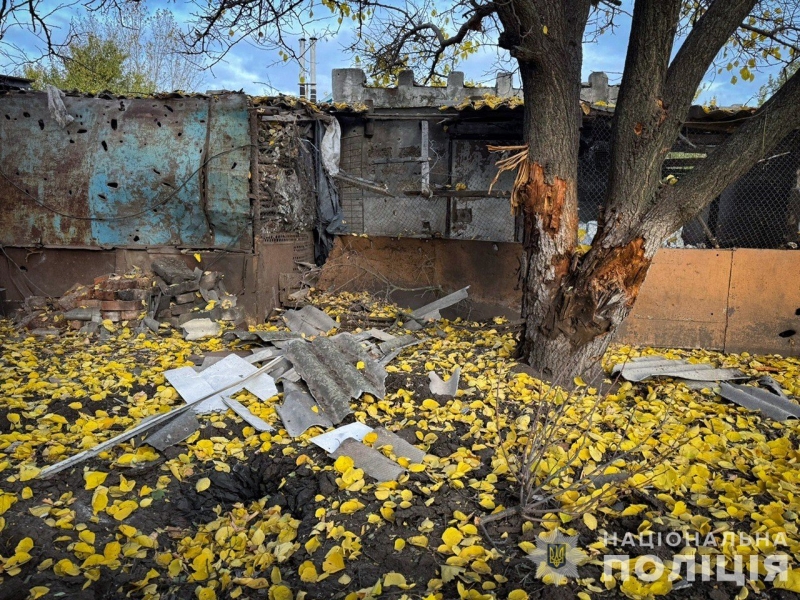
(258, 71)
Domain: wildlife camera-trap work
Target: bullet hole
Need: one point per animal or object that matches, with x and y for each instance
(114, 124)
(81, 131)
(136, 238)
(156, 171)
(112, 184)
(41, 124)
(23, 268)
(180, 133)
(102, 196)
(104, 145)
(168, 107)
(787, 334)
(7, 117)
(71, 141)
(233, 166)
(169, 185)
(797, 312)
(202, 120)
(70, 192)
(26, 114)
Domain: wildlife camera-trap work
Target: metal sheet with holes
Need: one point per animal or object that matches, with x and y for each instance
(147, 157)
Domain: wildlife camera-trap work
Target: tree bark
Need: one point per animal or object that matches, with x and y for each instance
(574, 304)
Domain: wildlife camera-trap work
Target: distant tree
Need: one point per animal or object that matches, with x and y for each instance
(122, 51)
(774, 83)
(89, 65)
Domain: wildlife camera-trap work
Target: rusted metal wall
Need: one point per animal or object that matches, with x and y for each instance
(744, 300)
(126, 173)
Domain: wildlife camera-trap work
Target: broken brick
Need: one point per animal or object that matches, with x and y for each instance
(74, 296)
(173, 270)
(119, 305)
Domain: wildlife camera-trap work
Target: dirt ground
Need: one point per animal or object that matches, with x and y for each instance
(233, 513)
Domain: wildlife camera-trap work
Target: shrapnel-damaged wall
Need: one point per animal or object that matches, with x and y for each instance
(127, 172)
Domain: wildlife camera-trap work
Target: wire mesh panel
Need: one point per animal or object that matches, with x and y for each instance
(450, 197)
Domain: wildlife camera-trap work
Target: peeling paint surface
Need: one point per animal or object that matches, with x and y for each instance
(126, 172)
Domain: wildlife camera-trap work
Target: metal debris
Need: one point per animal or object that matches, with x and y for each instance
(400, 447)
(297, 411)
(145, 425)
(379, 334)
(231, 374)
(445, 388)
(174, 431)
(309, 320)
(398, 343)
(641, 368)
(772, 385)
(267, 337)
(430, 312)
(331, 440)
(757, 399)
(329, 366)
(372, 462)
(198, 329)
(262, 355)
(240, 409)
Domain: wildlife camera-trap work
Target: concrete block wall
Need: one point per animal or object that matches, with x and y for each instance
(350, 86)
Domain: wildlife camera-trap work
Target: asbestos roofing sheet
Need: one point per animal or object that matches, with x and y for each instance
(309, 320)
(297, 411)
(329, 366)
(757, 399)
(444, 388)
(174, 431)
(400, 447)
(372, 462)
(331, 440)
(638, 369)
(267, 337)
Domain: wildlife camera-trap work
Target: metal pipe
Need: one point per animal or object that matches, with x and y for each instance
(313, 91)
(302, 60)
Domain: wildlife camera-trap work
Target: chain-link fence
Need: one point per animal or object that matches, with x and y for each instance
(761, 210)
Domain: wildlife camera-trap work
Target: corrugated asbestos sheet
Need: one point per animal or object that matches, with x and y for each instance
(176, 167)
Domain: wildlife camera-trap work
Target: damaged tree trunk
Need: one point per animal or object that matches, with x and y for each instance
(573, 304)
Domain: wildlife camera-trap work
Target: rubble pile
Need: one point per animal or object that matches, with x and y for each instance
(181, 294)
(173, 294)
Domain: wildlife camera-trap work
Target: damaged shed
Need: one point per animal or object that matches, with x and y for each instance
(93, 185)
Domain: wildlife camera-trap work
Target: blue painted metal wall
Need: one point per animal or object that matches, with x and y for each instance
(126, 172)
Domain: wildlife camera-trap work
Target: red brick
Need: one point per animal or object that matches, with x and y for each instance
(104, 294)
(130, 315)
(121, 305)
(111, 315)
(73, 296)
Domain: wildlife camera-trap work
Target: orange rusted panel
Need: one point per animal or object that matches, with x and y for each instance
(683, 301)
(764, 304)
